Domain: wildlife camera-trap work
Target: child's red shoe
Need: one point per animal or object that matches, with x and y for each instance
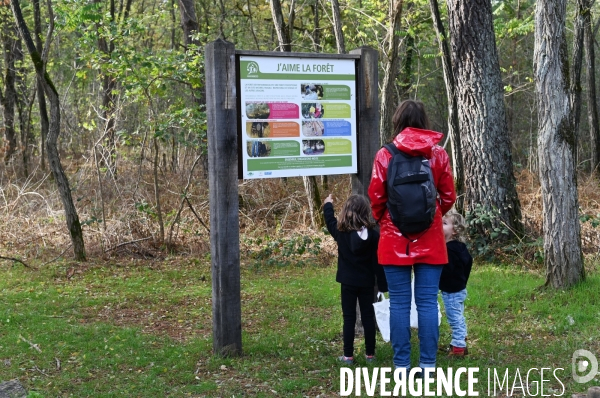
(457, 351)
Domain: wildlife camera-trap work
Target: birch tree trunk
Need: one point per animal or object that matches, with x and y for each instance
(62, 181)
(453, 124)
(390, 70)
(485, 144)
(562, 236)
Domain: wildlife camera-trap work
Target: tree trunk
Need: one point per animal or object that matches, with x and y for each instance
(109, 85)
(316, 36)
(189, 22)
(485, 144)
(314, 201)
(44, 123)
(592, 107)
(453, 125)
(562, 236)
(62, 181)
(24, 105)
(337, 27)
(283, 37)
(406, 80)
(390, 69)
(9, 41)
(575, 75)
(161, 224)
(310, 183)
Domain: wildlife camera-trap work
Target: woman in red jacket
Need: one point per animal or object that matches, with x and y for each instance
(424, 254)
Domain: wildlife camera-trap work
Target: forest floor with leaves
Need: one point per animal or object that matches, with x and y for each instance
(135, 319)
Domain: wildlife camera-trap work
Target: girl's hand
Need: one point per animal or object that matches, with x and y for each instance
(328, 199)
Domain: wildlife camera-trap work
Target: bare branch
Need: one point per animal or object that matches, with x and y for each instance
(16, 260)
(127, 243)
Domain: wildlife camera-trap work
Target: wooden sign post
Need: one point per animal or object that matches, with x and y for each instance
(222, 121)
(368, 117)
(221, 115)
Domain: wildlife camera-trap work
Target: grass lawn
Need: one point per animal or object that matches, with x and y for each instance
(143, 329)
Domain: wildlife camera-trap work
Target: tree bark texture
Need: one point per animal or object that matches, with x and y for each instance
(485, 144)
(62, 181)
(283, 37)
(189, 22)
(44, 122)
(337, 27)
(407, 65)
(316, 36)
(592, 102)
(109, 85)
(390, 70)
(161, 223)
(453, 124)
(575, 75)
(9, 42)
(556, 147)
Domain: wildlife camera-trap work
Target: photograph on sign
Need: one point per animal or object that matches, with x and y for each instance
(298, 116)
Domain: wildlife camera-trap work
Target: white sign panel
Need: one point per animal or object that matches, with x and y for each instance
(298, 116)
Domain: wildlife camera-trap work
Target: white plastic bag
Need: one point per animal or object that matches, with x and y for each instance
(382, 316)
(414, 318)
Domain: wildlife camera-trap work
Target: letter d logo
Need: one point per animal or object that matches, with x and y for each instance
(580, 364)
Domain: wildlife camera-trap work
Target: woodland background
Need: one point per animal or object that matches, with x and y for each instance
(132, 126)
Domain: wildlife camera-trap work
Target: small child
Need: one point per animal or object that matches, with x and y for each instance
(453, 282)
(358, 269)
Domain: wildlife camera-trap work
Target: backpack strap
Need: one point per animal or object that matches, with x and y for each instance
(392, 149)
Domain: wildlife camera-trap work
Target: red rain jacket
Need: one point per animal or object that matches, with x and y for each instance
(430, 248)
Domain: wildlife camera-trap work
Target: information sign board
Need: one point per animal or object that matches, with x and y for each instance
(298, 116)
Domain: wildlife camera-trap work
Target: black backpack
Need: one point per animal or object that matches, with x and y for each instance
(411, 193)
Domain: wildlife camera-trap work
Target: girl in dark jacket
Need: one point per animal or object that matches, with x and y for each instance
(424, 255)
(358, 269)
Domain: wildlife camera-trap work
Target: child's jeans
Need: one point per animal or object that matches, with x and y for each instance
(455, 312)
(365, 296)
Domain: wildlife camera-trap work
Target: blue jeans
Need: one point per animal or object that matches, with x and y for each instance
(427, 280)
(455, 312)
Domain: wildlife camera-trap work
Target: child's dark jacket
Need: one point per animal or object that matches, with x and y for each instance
(456, 273)
(357, 258)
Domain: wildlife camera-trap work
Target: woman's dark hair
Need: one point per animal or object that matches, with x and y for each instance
(410, 114)
(355, 214)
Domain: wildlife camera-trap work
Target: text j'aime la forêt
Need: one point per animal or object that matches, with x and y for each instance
(318, 68)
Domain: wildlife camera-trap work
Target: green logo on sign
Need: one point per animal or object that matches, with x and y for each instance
(252, 68)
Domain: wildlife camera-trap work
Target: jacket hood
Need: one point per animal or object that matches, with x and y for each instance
(358, 245)
(417, 142)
